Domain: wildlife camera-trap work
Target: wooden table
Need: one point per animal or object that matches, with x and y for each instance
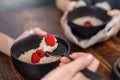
(48, 18)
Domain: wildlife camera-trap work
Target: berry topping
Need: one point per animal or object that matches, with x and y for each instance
(37, 55)
(35, 58)
(40, 53)
(87, 24)
(50, 40)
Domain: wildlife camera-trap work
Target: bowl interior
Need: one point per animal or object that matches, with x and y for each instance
(89, 11)
(92, 11)
(33, 42)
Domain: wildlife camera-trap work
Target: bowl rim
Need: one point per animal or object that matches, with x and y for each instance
(38, 64)
(89, 6)
(115, 68)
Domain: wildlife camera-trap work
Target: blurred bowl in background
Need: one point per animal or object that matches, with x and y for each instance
(96, 20)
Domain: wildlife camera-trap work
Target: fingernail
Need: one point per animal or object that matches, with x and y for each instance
(110, 13)
(89, 57)
(44, 32)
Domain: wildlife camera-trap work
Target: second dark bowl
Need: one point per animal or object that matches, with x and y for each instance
(87, 32)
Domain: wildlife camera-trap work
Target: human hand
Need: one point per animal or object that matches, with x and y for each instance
(35, 31)
(71, 70)
(71, 5)
(116, 28)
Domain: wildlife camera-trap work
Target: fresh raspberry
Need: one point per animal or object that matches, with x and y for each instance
(40, 53)
(50, 40)
(87, 24)
(37, 55)
(35, 58)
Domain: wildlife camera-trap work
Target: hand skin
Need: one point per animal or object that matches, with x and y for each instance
(69, 8)
(71, 70)
(6, 41)
(116, 28)
(62, 4)
(36, 31)
(111, 13)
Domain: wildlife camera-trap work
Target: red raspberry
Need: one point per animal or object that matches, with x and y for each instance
(40, 53)
(37, 55)
(35, 58)
(50, 40)
(87, 24)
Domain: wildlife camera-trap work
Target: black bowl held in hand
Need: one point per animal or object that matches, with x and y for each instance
(35, 71)
(83, 31)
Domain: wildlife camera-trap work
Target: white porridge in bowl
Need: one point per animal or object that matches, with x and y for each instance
(26, 57)
(88, 20)
(38, 55)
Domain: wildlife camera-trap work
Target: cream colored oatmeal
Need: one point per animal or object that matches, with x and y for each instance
(46, 48)
(49, 59)
(26, 57)
(94, 21)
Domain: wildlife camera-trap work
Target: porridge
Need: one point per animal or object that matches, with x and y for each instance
(26, 57)
(48, 44)
(87, 21)
(46, 48)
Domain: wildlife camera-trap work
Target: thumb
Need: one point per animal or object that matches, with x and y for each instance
(71, 5)
(113, 12)
(80, 63)
(39, 32)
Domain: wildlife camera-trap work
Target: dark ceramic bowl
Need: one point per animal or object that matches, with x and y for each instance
(35, 71)
(116, 70)
(83, 31)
